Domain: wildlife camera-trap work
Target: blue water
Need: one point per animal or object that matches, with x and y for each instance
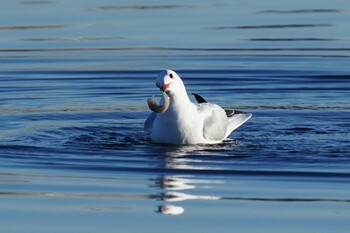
(74, 79)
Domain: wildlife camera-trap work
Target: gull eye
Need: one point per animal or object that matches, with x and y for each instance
(171, 75)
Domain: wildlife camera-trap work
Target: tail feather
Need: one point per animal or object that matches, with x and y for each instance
(236, 120)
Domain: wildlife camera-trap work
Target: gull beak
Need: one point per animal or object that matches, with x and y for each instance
(165, 86)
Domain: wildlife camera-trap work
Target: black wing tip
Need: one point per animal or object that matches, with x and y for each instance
(199, 98)
(231, 112)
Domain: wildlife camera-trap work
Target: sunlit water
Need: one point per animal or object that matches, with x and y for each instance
(74, 79)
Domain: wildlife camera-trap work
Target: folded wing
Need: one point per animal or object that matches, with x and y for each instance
(235, 118)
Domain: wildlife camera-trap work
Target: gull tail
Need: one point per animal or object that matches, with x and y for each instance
(235, 120)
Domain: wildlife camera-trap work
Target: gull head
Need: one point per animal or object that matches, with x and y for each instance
(171, 87)
(169, 81)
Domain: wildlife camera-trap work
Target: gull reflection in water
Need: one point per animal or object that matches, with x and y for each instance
(171, 209)
(177, 188)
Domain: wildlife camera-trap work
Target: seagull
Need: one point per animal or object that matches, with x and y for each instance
(176, 120)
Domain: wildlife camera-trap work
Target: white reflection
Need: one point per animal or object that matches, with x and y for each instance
(171, 210)
(172, 185)
(181, 188)
(177, 196)
(175, 183)
(177, 188)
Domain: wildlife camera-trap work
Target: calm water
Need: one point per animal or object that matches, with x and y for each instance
(74, 79)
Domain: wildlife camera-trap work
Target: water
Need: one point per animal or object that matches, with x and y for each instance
(74, 78)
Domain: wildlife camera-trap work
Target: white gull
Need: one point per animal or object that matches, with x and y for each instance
(176, 120)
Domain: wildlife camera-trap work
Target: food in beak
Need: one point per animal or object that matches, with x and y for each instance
(159, 108)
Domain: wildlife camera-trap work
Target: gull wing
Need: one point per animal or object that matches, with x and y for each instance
(235, 118)
(148, 125)
(214, 121)
(149, 122)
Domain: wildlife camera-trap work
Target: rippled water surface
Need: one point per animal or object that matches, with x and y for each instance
(74, 79)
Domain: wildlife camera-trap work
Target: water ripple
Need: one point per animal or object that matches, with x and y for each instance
(294, 39)
(272, 26)
(72, 39)
(303, 11)
(31, 27)
(141, 196)
(174, 49)
(137, 7)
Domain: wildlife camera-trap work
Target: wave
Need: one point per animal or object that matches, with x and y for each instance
(142, 167)
(143, 108)
(271, 26)
(137, 7)
(302, 11)
(172, 49)
(31, 27)
(71, 39)
(294, 39)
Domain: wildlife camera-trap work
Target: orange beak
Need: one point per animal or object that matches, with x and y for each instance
(165, 86)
